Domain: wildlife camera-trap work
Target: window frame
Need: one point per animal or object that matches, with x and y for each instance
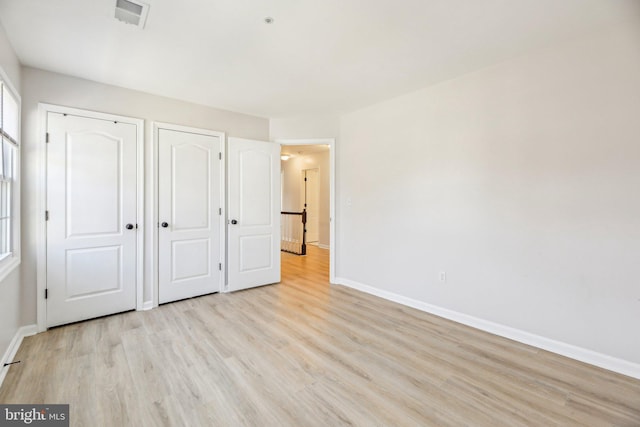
(11, 260)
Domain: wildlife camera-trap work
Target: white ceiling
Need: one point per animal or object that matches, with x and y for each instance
(319, 56)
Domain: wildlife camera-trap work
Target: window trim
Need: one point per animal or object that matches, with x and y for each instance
(11, 261)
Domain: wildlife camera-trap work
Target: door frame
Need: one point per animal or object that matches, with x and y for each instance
(153, 268)
(41, 232)
(331, 142)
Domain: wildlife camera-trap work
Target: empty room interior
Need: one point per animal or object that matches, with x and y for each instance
(319, 213)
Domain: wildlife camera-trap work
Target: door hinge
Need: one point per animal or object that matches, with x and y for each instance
(220, 156)
(219, 211)
(305, 179)
(46, 215)
(46, 293)
(47, 138)
(220, 266)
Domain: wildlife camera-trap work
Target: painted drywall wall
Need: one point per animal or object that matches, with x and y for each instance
(520, 181)
(8, 60)
(304, 127)
(43, 86)
(292, 186)
(10, 315)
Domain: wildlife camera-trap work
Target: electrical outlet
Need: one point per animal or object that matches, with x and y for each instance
(443, 276)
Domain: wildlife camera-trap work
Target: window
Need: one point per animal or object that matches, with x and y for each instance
(9, 131)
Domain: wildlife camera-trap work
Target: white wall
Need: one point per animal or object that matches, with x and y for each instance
(521, 181)
(292, 187)
(10, 301)
(8, 60)
(43, 86)
(304, 127)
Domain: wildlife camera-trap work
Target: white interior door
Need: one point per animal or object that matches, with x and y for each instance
(91, 231)
(311, 202)
(253, 213)
(189, 217)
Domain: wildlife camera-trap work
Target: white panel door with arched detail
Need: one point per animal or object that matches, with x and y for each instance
(189, 213)
(253, 213)
(91, 228)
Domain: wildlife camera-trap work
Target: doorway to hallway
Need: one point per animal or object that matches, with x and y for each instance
(308, 188)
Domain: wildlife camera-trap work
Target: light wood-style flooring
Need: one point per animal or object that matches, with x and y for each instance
(304, 353)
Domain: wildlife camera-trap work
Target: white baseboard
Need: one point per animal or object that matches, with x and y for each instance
(321, 246)
(568, 350)
(147, 305)
(14, 345)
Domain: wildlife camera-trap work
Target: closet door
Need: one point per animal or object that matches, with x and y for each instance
(189, 214)
(91, 227)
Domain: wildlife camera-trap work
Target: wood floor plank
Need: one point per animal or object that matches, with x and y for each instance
(305, 353)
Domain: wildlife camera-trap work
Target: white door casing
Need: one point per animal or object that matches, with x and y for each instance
(189, 209)
(91, 241)
(253, 220)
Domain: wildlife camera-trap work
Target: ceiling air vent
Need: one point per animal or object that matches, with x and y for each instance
(132, 12)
